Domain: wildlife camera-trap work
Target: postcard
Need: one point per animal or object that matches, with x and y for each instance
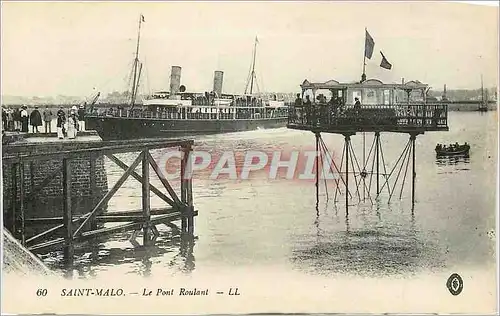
(249, 157)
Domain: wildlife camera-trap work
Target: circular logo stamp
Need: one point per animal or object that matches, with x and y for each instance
(455, 284)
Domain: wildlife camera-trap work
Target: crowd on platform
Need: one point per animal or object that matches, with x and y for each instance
(68, 121)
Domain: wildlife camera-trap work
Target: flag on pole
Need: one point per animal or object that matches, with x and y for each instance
(384, 63)
(369, 44)
(256, 40)
(142, 18)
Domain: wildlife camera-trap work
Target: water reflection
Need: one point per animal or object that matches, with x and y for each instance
(367, 244)
(170, 249)
(452, 160)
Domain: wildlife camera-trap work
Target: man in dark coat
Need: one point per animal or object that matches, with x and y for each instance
(47, 118)
(35, 119)
(17, 119)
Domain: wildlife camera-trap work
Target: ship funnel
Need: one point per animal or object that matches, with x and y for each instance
(175, 80)
(218, 79)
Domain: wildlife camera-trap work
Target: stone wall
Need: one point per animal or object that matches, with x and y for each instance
(48, 202)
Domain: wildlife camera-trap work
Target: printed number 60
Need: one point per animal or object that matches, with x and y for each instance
(41, 292)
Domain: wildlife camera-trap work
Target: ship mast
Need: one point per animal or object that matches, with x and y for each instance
(252, 74)
(137, 66)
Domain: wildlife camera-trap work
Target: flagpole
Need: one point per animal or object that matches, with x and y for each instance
(363, 76)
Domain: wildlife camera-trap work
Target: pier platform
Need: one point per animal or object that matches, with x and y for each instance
(405, 118)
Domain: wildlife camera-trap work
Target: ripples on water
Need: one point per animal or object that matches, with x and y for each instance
(261, 222)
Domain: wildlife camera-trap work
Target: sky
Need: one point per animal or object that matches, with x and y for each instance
(57, 48)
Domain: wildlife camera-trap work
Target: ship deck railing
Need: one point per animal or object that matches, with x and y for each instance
(179, 114)
(403, 118)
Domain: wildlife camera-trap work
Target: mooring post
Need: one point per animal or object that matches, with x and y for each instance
(146, 211)
(67, 213)
(317, 168)
(14, 168)
(93, 191)
(21, 201)
(183, 208)
(346, 144)
(377, 144)
(414, 173)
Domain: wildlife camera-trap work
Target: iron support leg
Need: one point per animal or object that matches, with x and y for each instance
(347, 141)
(317, 169)
(377, 145)
(414, 173)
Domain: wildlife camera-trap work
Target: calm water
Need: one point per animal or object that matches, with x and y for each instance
(260, 223)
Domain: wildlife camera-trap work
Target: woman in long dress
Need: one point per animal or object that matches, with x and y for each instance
(61, 120)
(72, 125)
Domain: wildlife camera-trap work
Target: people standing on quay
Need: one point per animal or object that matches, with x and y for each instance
(17, 119)
(4, 118)
(73, 123)
(35, 119)
(24, 119)
(61, 120)
(10, 119)
(47, 119)
(81, 117)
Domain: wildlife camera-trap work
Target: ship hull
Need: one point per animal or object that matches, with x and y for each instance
(115, 128)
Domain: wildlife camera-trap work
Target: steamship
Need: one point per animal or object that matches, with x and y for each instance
(177, 112)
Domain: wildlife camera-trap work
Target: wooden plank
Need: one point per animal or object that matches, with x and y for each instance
(110, 194)
(163, 180)
(134, 174)
(58, 241)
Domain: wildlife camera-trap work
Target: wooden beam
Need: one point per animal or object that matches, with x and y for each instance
(183, 190)
(146, 199)
(21, 202)
(101, 149)
(136, 176)
(67, 213)
(130, 226)
(54, 242)
(93, 184)
(165, 218)
(109, 195)
(163, 180)
(53, 229)
(58, 219)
